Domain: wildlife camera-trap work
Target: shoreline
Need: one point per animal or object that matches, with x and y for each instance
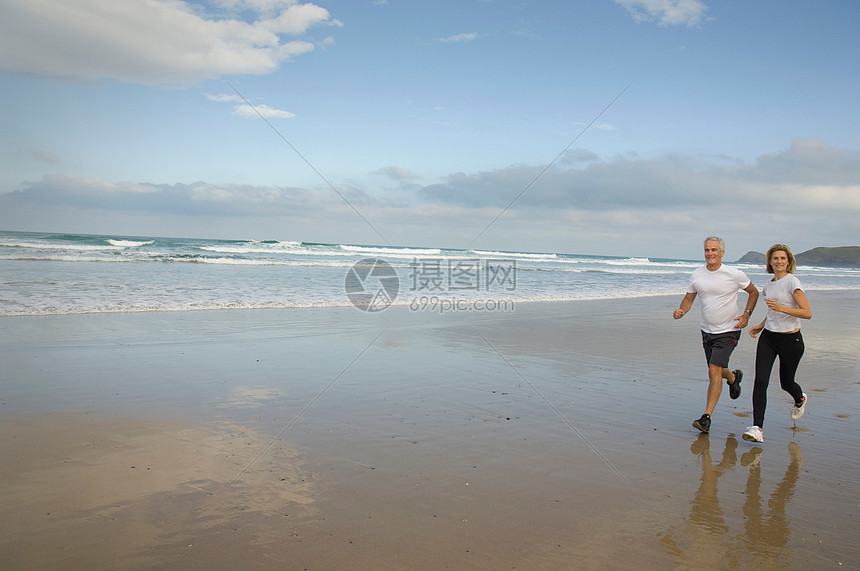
(404, 305)
(332, 438)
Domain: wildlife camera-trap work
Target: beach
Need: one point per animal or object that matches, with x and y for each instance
(551, 435)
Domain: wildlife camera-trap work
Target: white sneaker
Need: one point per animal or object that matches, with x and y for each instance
(753, 434)
(797, 411)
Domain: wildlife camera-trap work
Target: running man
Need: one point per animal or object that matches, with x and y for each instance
(717, 286)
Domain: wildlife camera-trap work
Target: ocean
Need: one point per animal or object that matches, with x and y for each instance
(54, 274)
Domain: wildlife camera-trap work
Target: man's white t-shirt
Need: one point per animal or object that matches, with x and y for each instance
(718, 294)
(782, 290)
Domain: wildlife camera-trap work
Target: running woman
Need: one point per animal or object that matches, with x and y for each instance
(780, 337)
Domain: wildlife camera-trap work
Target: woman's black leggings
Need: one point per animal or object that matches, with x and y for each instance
(789, 348)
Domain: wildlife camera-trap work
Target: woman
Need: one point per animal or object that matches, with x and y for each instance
(780, 337)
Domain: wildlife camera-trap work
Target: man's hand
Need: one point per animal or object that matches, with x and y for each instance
(686, 304)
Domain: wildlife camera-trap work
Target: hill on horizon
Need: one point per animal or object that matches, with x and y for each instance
(838, 257)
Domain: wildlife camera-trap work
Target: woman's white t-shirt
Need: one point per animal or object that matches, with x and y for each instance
(782, 290)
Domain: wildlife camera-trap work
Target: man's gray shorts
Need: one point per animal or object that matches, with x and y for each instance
(719, 346)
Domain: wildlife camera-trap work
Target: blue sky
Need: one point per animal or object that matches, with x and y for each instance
(420, 123)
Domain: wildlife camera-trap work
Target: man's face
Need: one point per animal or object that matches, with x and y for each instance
(713, 253)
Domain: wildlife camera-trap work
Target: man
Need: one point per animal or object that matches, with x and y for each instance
(717, 287)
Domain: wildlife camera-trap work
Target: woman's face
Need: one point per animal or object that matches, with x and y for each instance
(779, 261)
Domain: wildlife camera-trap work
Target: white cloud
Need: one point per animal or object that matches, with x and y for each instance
(460, 38)
(397, 173)
(578, 155)
(151, 41)
(819, 197)
(297, 19)
(667, 12)
(250, 112)
(223, 98)
(261, 110)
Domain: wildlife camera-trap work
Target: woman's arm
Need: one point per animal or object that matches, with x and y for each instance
(757, 329)
(802, 310)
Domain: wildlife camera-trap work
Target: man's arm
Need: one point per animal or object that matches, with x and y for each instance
(686, 304)
(743, 318)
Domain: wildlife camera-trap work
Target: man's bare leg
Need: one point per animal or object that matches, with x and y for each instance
(716, 374)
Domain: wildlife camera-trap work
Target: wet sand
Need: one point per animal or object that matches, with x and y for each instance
(553, 436)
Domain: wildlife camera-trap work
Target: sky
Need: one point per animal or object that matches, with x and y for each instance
(604, 127)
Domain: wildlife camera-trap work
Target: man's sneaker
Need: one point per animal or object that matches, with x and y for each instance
(798, 409)
(703, 424)
(753, 434)
(735, 387)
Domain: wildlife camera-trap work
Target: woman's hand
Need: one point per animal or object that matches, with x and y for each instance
(772, 304)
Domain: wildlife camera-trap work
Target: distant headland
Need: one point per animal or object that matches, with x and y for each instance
(839, 257)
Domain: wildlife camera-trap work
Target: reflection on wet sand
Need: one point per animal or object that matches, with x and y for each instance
(706, 539)
(766, 532)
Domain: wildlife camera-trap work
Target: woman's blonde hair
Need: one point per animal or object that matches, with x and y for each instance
(792, 263)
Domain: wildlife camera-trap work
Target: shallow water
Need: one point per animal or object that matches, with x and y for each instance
(56, 274)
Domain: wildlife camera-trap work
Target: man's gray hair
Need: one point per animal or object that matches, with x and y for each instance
(717, 239)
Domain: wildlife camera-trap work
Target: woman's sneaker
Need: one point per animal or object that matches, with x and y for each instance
(798, 409)
(753, 434)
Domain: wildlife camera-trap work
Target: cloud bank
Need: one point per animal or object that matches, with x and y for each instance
(807, 191)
